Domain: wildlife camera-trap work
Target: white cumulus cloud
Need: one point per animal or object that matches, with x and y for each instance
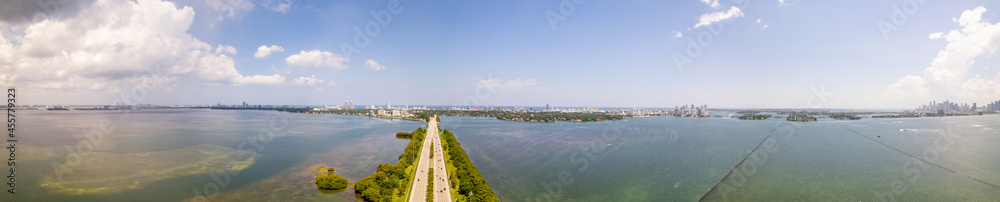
(980, 89)
(909, 87)
(307, 81)
(374, 66)
(22, 12)
(709, 18)
(317, 58)
(113, 45)
(264, 51)
(711, 3)
(948, 70)
(974, 38)
(934, 36)
(221, 69)
(225, 49)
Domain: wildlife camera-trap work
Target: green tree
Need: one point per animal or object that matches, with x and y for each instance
(330, 181)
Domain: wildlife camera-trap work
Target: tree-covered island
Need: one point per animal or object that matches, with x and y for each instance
(752, 115)
(328, 180)
(800, 117)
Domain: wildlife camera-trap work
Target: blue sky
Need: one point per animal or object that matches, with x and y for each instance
(813, 54)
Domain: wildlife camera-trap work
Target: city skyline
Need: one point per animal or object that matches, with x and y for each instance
(758, 54)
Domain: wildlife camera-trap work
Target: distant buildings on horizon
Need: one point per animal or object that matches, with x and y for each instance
(948, 107)
(993, 107)
(685, 111)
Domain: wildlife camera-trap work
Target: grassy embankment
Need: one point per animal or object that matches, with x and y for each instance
(430, 185)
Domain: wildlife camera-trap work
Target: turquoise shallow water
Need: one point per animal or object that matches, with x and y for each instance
(354, 144)
(639, 159)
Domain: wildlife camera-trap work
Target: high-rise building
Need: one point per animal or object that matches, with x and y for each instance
(387, 106)
(993, 107)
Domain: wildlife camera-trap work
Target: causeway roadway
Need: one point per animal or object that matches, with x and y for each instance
(442, 190)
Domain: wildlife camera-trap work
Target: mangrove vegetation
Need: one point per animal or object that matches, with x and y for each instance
(328, 180)
(754, 116)
(391, 182)
(800, 117)
(844, 116)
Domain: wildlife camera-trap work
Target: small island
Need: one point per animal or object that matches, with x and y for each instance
(328, 180)
(749, 115)
(800, 117)
(844, 116)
